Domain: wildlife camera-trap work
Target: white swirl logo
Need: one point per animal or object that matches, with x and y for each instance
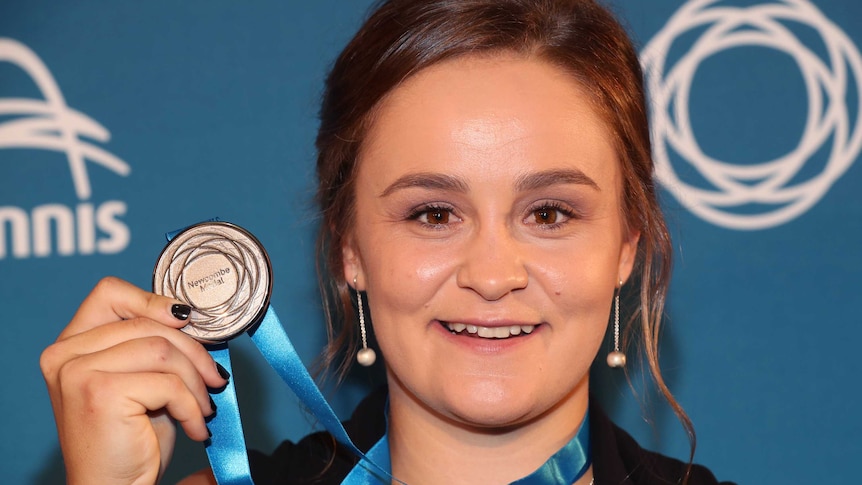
(49, 124)
(770, 183)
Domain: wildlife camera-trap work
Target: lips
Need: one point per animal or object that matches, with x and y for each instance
(497, 332)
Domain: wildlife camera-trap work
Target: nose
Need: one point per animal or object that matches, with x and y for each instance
(493, 264)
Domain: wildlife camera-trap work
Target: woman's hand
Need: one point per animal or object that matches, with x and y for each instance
(116, 375)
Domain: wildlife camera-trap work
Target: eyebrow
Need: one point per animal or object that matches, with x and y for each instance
(547, 178)
(427, 180)
(531, 181)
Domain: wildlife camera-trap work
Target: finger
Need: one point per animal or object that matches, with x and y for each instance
(179, 402)
(127, 398)
(114, 299)
(145, 355)
(114, 334)
(166, 430)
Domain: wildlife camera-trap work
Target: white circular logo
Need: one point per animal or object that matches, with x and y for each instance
(770, 183)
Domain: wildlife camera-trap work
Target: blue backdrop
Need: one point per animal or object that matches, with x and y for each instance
(119, 121)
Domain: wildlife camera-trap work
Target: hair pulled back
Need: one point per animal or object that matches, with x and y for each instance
(402, 37)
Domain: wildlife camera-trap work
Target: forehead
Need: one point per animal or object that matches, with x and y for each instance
(502, 114)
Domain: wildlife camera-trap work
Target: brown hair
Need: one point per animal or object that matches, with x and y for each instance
(403, 37)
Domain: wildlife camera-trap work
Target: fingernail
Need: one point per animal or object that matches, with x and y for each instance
(222, 371)
(213, 406)
(209, 432)
(181, 311)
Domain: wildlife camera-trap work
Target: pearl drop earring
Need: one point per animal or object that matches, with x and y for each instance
(617, 358)
(365, 356)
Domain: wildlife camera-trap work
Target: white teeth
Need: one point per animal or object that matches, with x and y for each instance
(490, 332)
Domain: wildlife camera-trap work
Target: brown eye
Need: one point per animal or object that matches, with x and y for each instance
(437, 216)
(545, 215)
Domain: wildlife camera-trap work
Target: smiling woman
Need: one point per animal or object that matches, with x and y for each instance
(510, 217)
(486, 187)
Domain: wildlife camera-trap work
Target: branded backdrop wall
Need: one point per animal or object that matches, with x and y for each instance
(119, 121)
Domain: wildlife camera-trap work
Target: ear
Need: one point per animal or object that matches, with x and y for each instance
(628, 254)
(352, 265)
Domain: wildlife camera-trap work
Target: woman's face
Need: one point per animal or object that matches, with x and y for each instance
(489, 238)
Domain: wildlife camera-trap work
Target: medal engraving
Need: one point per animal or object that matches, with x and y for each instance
(223, 272)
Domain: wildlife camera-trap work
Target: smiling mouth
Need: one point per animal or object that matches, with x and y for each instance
(478, 331)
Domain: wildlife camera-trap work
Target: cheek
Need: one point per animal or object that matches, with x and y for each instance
(403, 276)
(577, 275)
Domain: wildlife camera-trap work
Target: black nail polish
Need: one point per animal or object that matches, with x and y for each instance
(222, 371)
(180, 311)
(213, 406)
(209, 432)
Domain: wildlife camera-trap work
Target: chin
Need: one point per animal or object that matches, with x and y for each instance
(492, 404)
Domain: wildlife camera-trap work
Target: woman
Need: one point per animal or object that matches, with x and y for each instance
(486, 185)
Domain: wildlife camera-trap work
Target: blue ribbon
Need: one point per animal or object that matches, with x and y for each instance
(568, 464)
(226, 449)
(364, 473)
(273, 342)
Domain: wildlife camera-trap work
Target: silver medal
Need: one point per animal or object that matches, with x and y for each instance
(223, 272)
